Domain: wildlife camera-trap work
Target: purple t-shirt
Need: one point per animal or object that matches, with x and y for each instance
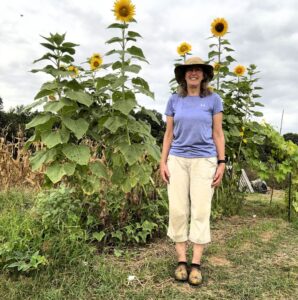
(193, 124)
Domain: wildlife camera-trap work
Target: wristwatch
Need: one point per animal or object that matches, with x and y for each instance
(221, 161)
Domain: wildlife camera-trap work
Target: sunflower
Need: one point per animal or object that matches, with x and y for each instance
(219, 27)
(124, 10)
(216, 67)
(183, 48)
(210, 88)
(74, 70)
(95, 61)
(96, 56)
(239, 70)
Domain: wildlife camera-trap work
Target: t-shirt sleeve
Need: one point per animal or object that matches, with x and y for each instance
(169, 108)
(218, 106)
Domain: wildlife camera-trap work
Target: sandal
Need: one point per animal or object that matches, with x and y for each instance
(181, 273)
(195, 276)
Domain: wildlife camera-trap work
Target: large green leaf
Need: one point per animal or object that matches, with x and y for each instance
(136, 51)
(98, 169)
(151, 114)
(77, 153)
(144, 91)
(153, 151)
(49, 46)
(61, 136)
(131, 153)
(39, 120)
(42, 157)
(53, 106)
(118, 176)
(119, 82)
(132, 68)
(101, 83)
(118, 25)
(57, 170)
(125, 106)
(79, 127)
(69, 45)
(80, 97)
(133, 34)
(140, 173)
(113, 123)
(139, 127)
(114, 40)
(43, 93)
(69, 168)
(213, 53)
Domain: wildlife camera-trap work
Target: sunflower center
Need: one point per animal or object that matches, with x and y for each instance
(96, 64)
(183, 48)
(124, 12)
(219, 27)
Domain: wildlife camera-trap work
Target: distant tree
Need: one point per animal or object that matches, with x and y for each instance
(14, 120)
(157, 130)
(1, 104)
(291, 137)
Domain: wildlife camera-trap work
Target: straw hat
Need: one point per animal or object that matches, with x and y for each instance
(195, 62)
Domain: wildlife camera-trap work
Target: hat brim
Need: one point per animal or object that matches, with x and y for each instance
(181, 69)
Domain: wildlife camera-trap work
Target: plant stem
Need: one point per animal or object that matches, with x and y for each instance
(218, 73)
(122, 75)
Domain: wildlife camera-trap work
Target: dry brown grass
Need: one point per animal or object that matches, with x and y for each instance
(15, 170)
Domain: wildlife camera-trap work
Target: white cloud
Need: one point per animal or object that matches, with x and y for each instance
(261, 32)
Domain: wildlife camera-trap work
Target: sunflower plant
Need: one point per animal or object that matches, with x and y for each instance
(217, 54)
(129, 145)
(64, 123)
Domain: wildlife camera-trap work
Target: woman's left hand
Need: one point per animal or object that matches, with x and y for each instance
(218, 175)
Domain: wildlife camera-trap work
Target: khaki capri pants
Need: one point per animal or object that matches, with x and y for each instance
(190, 193)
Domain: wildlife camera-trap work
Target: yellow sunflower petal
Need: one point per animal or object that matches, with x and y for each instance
(96, 55)
(210, 88)
(219, 27)
(95, 63)
(124, 10)
(239, 70)
(216, 67)
(183, 48)
(73, 69)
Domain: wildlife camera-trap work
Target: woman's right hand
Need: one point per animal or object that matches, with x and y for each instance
(164, 172)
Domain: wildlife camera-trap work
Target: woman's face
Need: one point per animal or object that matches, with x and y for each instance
(194, 76)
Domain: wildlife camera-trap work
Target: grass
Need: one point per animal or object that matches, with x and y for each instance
(254, 255)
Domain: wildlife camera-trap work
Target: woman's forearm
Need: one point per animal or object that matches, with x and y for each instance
(219, 141)
(167, 141)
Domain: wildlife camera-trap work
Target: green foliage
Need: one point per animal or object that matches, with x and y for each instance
(248, 143)
(12, 123)
(117, 218)
(99, 109)
(20, 235)
(47, 232)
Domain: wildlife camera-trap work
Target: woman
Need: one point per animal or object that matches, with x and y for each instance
(192, 162)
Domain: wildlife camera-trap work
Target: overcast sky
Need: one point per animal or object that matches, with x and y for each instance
(263, 32)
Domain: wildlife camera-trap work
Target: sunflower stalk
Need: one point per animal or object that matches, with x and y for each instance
(219, 61)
